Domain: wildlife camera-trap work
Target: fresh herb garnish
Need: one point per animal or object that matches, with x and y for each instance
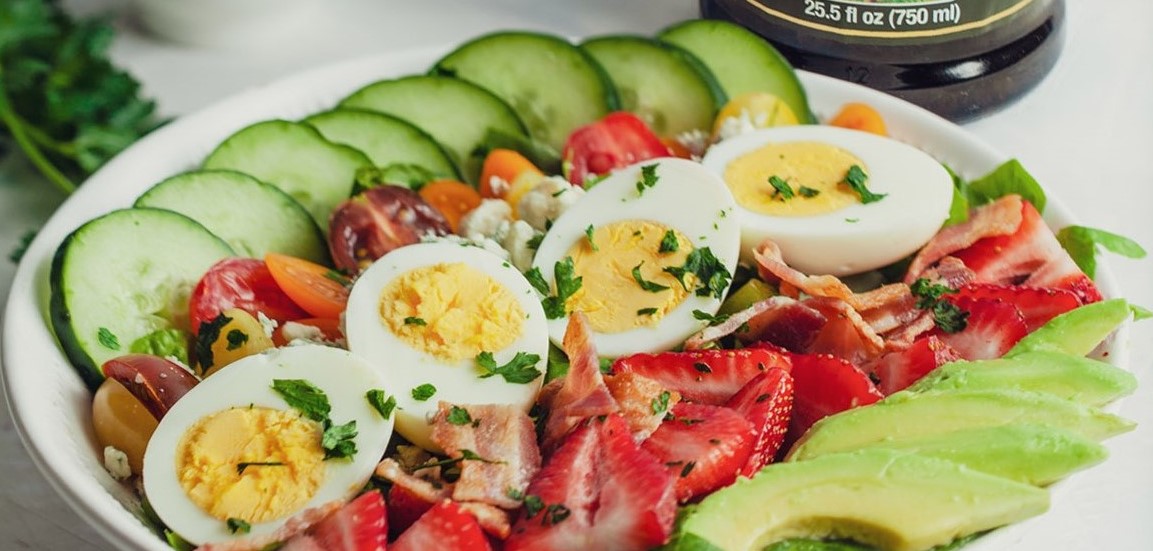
(712, 276)
(781, 189)
(660, 404)
(554, 514)
(712, 319)
(521, 369)
(808, 192)
(669, 242)
(236, 338)
(244, 465)
(567, 284)
(702, 367)
(534, 241)
(589, 235)
(339, 440)
(532, 505)
(856, 180)
(385, 407)
(312, 402)
(647, 285)
(423, 392)
(413, 320)
(338, 277)
(107, 339)
(946, 315)
(688, 468)
(238, 526)
(648, 179)
(458, 416)
(646, 311)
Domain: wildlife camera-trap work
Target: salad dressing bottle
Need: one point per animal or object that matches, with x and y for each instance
(959, 58)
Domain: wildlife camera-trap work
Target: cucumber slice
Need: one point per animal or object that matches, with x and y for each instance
(294, 157)
(741, 61)
(664, 85)
(553, 85)
(385, 139)
(252, 216)
(122, 276)
(456, 113)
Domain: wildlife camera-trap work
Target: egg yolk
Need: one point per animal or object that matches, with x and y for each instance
(611, 295)
(451, 311)
(254, 464)
(813, 166)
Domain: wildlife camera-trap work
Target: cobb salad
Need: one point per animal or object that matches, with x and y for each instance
(574, 347)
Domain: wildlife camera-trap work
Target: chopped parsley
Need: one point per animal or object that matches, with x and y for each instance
(236, 339)
(688, 468)
(532, 505)
(107, 339)
(238, 526)
(303, 396)
(669, 243)
(856, 179)
(660, 404)
(781, 189)
(647, 285)
(521, 369)
(808, 192)
(711, 274)
(534, 241)
(946, 315)
(338, 277)
(648, 179)
(554, 514)
(413, 320)
(646, 311)
(458, 416)
(244, 465)
(378, 402)
(423, 392)
(567, 284)
(713, 320)
(589, 235)
(702, 367)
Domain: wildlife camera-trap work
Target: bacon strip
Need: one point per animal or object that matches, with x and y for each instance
(426, 490)
(1001, 217)
(582, 392)
(636, 395)
(846, 334)
(735, 321)
(772, 267)
(504, 437)
(492, 519)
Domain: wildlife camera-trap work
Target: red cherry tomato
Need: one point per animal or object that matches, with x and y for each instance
(619, 139)
(380, 219)
(244, 283)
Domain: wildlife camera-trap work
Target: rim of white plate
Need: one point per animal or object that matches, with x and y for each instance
(44, 393)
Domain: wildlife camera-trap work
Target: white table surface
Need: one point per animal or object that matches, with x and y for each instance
(1086, 133)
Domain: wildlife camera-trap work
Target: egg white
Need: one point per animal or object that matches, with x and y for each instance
(406, 367)
(687, 198)
(344, 378)
(859, 237)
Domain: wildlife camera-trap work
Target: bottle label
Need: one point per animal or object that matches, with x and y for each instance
(891, 18)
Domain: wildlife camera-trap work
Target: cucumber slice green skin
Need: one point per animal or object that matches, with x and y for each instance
(554, 86)
(296, 158)
(385, 139)
(741, 61)
(129, 273)
(456, 113)
(665, 85)
(252, 216)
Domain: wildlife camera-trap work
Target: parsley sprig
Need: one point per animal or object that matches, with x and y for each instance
(712, 276)
(567, 284)
(338, 441)
(946, 315)
(856, 179)
(521, 369)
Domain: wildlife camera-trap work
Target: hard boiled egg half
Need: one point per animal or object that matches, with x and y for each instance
(796, 185)
(448, 322)
(236, 458)
(654, 246)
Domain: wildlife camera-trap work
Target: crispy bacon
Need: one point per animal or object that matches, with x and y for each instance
(428, 490)
(637, 395)
(498, 431)
(582, 392)
(771, 266)
(846, 334)
(492, 519)
(1001, 217)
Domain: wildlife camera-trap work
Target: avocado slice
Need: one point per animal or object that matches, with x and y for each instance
(906, 415)
(1032, 454)
(884, 498)
(1083, 380)
(1077, 331)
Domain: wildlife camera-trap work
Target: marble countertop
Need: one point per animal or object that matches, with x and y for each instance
(1086, 133)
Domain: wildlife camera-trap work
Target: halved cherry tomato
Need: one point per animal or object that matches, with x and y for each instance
(452, 198)
(502, 170)
(244, 283)
(619, 139)
(860, 116)
(329, 328)
(378, 220)
(317, 289)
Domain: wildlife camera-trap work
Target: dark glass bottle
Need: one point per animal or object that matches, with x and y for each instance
(959, 58)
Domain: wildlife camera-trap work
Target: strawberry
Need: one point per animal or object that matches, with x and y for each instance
(705, 376)
(405, 507)
(445, 526)
(1037, 305)
(824, 385)
(767, 403)
(898, 369)
(702, 446)
(991, 328)
(1031, 255)
(361, 525)
(599, 490)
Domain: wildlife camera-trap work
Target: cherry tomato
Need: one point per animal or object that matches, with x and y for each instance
(619, 139)
(243, 283)
(378, 220)
(317, 289)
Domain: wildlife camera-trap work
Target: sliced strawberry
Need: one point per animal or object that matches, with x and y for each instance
(705, 376)
(445, 526)
(1037, 305)
(824, 385)
(767, 403)
(702, 446)
(405, 507)
(599, 490)
(1031, 255)
(361, 525)
(899, 369)
(991, 328)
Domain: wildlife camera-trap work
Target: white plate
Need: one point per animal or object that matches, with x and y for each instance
(50, 404)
